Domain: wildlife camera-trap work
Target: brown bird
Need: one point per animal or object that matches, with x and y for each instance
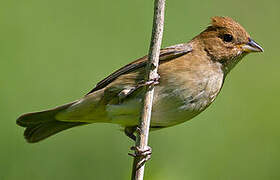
(191, 77)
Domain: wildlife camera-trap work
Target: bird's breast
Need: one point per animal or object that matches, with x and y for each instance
(179, 98)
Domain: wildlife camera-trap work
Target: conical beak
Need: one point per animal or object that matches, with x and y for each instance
(252, 46)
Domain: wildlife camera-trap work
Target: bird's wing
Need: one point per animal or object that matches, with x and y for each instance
(166, 54)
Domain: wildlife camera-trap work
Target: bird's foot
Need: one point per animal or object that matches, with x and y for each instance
(141, 152)
(153, 81)
(128, 91)
(144, 154)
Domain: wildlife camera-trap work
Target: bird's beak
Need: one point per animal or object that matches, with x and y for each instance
(252, 46)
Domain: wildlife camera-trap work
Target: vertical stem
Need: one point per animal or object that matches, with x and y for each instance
(151, 73)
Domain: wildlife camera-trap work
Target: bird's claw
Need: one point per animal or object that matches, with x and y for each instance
(153, 81)
(128, 91)
(143, 154)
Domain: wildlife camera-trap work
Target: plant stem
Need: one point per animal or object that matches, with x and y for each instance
(151, 74)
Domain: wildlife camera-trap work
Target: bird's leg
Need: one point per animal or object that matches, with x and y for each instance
(129, 132)
(145, 153)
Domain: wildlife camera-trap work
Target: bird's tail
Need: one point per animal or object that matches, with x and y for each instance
(40, 125)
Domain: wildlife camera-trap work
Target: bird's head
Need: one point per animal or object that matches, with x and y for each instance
(227, 41)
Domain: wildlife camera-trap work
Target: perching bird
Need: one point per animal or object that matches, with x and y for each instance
(191, 76)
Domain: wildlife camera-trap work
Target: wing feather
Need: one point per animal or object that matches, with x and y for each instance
(166, 54)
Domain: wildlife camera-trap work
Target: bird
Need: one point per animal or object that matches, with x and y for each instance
(191, 76)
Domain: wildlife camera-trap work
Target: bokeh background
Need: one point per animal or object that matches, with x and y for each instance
(53, 52)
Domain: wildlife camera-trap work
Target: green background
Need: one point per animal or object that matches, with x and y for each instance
(53, 52)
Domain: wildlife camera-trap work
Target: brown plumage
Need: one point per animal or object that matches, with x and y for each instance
(191, 76)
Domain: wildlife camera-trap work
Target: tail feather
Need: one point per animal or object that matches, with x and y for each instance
(40, 131)
(40, 125)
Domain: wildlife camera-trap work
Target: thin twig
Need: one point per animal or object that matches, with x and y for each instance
(151, 74)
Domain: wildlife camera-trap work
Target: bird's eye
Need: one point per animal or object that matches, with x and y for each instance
(227, 37)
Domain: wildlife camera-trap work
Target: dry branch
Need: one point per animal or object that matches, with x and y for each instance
(151, 74)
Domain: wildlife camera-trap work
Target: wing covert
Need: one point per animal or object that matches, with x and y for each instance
(166, 54)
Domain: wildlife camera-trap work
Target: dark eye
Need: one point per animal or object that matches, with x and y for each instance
(227, 37)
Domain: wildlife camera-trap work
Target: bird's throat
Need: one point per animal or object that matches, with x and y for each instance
(229, 64)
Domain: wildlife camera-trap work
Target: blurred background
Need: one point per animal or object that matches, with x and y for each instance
(53, 52)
